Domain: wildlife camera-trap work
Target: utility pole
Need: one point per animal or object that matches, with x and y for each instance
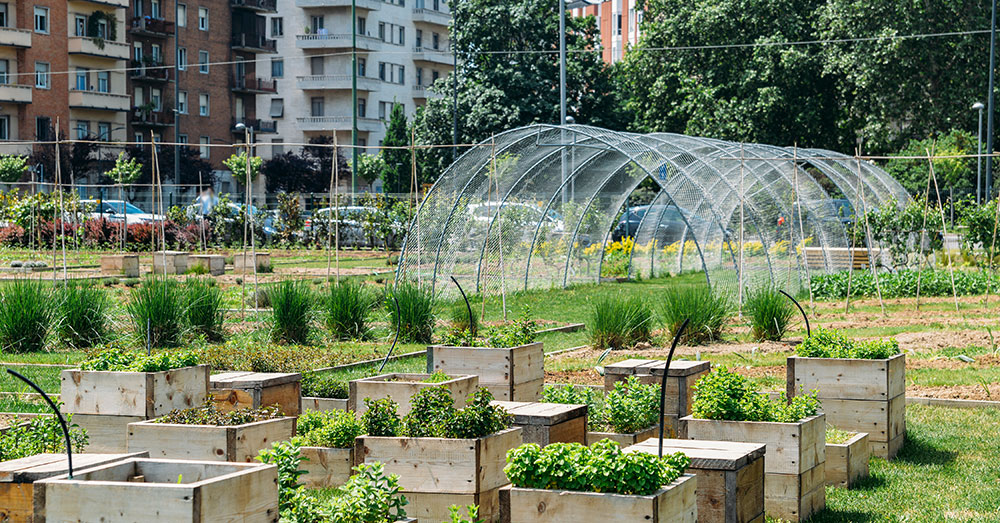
(177, 114)
(454, 86)
(354, 101)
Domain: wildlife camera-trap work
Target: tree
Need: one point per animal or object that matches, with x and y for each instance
(308, 171)
(237, 164)
(396, 172)
(957, 174)
(125, 171)
(13, 167)
(370, 167)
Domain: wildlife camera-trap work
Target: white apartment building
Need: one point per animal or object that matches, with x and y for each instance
(402, 48)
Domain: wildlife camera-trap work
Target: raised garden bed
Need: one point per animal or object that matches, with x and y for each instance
(624, 439)
(847, 461)
(126, 265)
(231, 390)
(322, 404)
(544, 423)
(170, 262)
(141, 489)
(244, 262)
(674, 503)
(511, 374)
(214, 264)
(400, 387)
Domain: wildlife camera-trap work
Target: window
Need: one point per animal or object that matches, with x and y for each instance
(42, 126)
(82, 129)
(203, 104)
(399, 74)
(203, 146)
(156, 53)
(137, 51)
(4, 69)
(434, 76)
(182, 58)
(203, 18)
(277, 27)
(277, 68)
(79, 25)
(362, 25)
(435, 41)
(104, 131)
(420, 76)
(362, 107)
(317, 106)
(277, 107)
(102, 29)
(402, 36)
(139, 140)
(156, 98)
(381, 71)
(277, 147)
(182, 138)
(138, 96)
(384, 109)
(81, 79)
(42, 20)
(4, 128)
(381, 31)
(3, 15)
(317, 24)
(42, 75)
(182, 15)
(361, 66)
(316, 65)
(420, 38)
(137, 8)
(203, 62)
(182, 102)
(154, 9)
(104, 81)
(362, 143)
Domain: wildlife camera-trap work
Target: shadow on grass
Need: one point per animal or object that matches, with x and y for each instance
(918, 451)
(868, 484)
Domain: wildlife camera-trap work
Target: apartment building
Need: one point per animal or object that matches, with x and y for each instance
(402, 48)
(619, 22)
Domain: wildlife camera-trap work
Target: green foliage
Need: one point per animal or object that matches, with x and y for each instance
(837, 436)
(26, 315)
(83, 315)
(347, 307)
(156, 312)
(458, 318)
(381, 418)
(434, 415)
(237, 164)
(709, 312)
(620, 322)
(431, 409)
(12, 167)
(437, 377)
(521, 331)
(204, 308)
(291, 312)
(824, 343)
(901, 284)
(602, 467)
(370, 167)
(725, 395)
(324, 386)
(397, 168)
(951, 173)
(209, 414)
(336, 428)
(769, 311)
(288, 459)
(126, 170)
(472, 514)
(121, 360)
(258, 355)
(39, 435)
(416, 312)
(479, 418)
(568, 394)
(895, 226)
(632, 406)
(369, 496)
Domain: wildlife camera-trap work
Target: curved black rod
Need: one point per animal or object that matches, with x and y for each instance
(62, 421)
(467, 306)
(804, 317)
(394, 340)
(663, 382)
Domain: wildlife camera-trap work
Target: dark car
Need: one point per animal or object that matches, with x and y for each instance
(671, 222)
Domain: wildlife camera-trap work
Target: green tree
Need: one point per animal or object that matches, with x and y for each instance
(12, 167)
(237, 164)
(396, 172)
(370, 167)
(956, 175)
(126, 170)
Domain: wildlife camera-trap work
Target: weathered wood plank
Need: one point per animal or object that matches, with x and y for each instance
(847, 462)
(326, 466)
(204, 442)
(846, 378)
(792, 448)
(148, 394)
(322, 404)
(402, 386)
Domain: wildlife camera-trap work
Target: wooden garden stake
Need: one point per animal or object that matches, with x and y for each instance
(868, 236)
(944, 231)
(923, 232)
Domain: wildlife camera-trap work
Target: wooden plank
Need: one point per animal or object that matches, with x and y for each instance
(95, 501)
(326, 466)
(240, 497)
(146, 394)
(712, 455)
(748, 503)
(433, 506)
(570, 431)
(886, 450)
(846, 378)
(528, 391)
(228, 400)
(881, 420)
(402, 386)
(105, 433)
(205, 442)
(251, 438)
(41, 466)
(528, 363)
(253, 380)
(322, 404)
(534, 413)
(514, 374)
(847, 462)
(16, 502)
(625, 440)
(793, 496)
(792, 448)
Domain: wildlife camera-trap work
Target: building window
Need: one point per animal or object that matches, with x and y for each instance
(277, 107)
(317, 24)
(3, 15)
(4, 128)
(154, 9)
(156, 98)
(4, 69)
(137, 51)
(102, 29)
(277, 27)
(362, 107)
(316, 66)
(156, 53)
(81, 79)
(402, 36)
(277, 68)
(137, 9)
(203, 104)
(182, 15)
(203, 62)
(361, 66)
(203, 146)
(182, 102)
(317, 106)
(203, 18)
(82, 129)
(277, 147)
(138, 139)
(435, 41)
(138, 95)
(79, 25)
(42, 20)
(434, 76)
(381, 71)
(182, 58)
(420, 38)
(42, 75)
(362, 143)
(182, 138)
(42, 126)
(420, 76)
(104, 131)
(381, 31)
(103, 81)
(384, 109)
(362, 25)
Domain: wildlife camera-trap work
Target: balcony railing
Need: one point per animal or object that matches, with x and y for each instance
(15, 37)
(98, 47)
(337, 123)
(436, 56)
(259, 126)
(336, 41)
(98, 100)
(150, 72)
(370, 5)
(14, 93)
(336, 81)
(420, 91)
(161, 118)
(431, 16)
(254, 43)
(252, 84)
(152, 26)
(261, 6)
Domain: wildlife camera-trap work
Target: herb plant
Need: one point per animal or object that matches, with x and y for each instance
(433, 415)
(431, 409)
(369, 496)
(320, 386)
(506, 335)
(824, 343)
(287, 458)
(592, 398)
(725, 395)
(381, 418)
(209, 414)
(122, 360)
(632, 406)
(479, 418)
(336, 428)
(40, 435)
(472, 514)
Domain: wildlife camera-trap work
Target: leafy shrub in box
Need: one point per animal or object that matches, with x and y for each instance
(335, 429)
(631, 406)
(209, 414)
(121, 360)
(503, 336)
(725, 395)
(433, 415)
(568, 394)
(824, 343)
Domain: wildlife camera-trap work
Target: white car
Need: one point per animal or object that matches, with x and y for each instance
(484, 213)
(118, 210)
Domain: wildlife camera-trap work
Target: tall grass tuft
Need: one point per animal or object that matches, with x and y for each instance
(156, 312)
(416, 312)
(769, 311)
(458, 316)
(347, 307)
(203, 308)
(709, 312)
(291, 312)
(620, 322)
(26, 315)
(83, 315)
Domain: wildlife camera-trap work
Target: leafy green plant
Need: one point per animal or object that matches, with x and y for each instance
(335, 429)
(471, 511)
(347, 307)
(632, 406)
(83, 315)
(291, 312)
(156, 312)
(521, 331)
(902, 283)
(204, 308)
(126, 170)
(121, 360)
(12, 167)
(825, 343)
(837, 436)
(709, 312)
(321, 386)
(431, 409)
(288, 459)
(479, 418)
(369, 496)
(415, 320)
(620, 322)
(209, 414)
(41, 434)
(437, 377)
(26, 315)
(568, 394)
(770, 313)
(381, 418)
(725, 395)
(237, 164)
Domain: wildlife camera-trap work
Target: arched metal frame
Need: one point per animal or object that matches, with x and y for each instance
(536, 206)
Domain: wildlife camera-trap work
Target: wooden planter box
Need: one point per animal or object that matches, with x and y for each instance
(215, 264)
(140, 489)
(322, 404)
(847, 463)
(106, 433)
(795, 478)
(170, 262)
(17, 478)
(545, 423)
(514, 374)
(326, 466)
(730, 477)
(232, 390)
(626, 440)
(208, 442)
(240, 264)
(679, 391)
(146, 394)
(858, 395)
(436, 473)
(401, 387)
(126, 265)
(674, 503)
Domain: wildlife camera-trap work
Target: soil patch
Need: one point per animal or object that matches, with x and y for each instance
(963, 392)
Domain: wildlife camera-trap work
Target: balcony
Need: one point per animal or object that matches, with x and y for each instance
(434, 56)
(98, 47)
(431, 16)
(249, 84)
(336, 41)
(259, 126)
(13, 93)
(153, 72)
(369, 5)
(259, 6)
(143, 118)
(151, 27)
(113, 3)
(253, 43)
(420, 92)
(338, 123)
(99, 101)
(15, 37)
(336, 81)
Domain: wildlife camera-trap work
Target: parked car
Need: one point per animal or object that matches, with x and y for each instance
(351, 230)
(118, 210)
(672, 225)
(234, 210)
(483, 213)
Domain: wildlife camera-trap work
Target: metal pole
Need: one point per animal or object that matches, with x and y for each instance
(454, 87)
(989, 102)
(354, 99)
(979, 157)
(562, 62)
(177, 114)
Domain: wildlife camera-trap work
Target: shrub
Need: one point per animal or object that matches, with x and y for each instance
(568, 394)
(156, 312)
(632, 406)
(708, 311)
(479, 418)
(620, 322)
(41, 434)
(506, 335)
(416, 312)
(203, 308)
(769, 311)
(26, 315)
(725, 395)
(381, 418)
(824, 343)
(431, 409)
(319, 386)
(347, 307)
(132, 361)
(291, 303)
(83, 315)
(602, 467)
(335, 428)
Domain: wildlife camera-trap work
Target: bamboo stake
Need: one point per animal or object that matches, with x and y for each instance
(802, 231)
(868, 236)
(336, 207)
(329, 220)
(944, 231)
(55, 214)
(923, 232)
(503, 275)
(253, 233)
(739, 273)
(989, 273)
(204, 242)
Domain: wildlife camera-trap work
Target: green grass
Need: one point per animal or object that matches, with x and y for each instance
(45, 377)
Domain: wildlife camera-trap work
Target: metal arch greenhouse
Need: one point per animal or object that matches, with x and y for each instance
(536, 207)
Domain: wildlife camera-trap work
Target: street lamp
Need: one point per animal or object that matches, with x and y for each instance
(978, 106)
(563, 6)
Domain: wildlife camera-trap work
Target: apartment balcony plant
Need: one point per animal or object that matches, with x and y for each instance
(149, 70)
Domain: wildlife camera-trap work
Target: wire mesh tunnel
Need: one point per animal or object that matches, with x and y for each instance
(542, 206)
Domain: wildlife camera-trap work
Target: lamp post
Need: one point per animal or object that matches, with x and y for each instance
(978, 106)
(989, 100)
(563, 6)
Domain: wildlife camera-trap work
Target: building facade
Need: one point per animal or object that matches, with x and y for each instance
(618, 22)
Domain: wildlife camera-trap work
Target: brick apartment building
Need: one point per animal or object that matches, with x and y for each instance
(618, 22)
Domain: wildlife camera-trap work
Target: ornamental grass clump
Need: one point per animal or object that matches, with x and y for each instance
(825, 343)
(203, 308)
(291, 312)
(347, 307)
(708, 311)
(620, 322)
(415, 318)
(157, 313)
(725, 395)
(26, 315)
(769, 311)
(83, 315)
